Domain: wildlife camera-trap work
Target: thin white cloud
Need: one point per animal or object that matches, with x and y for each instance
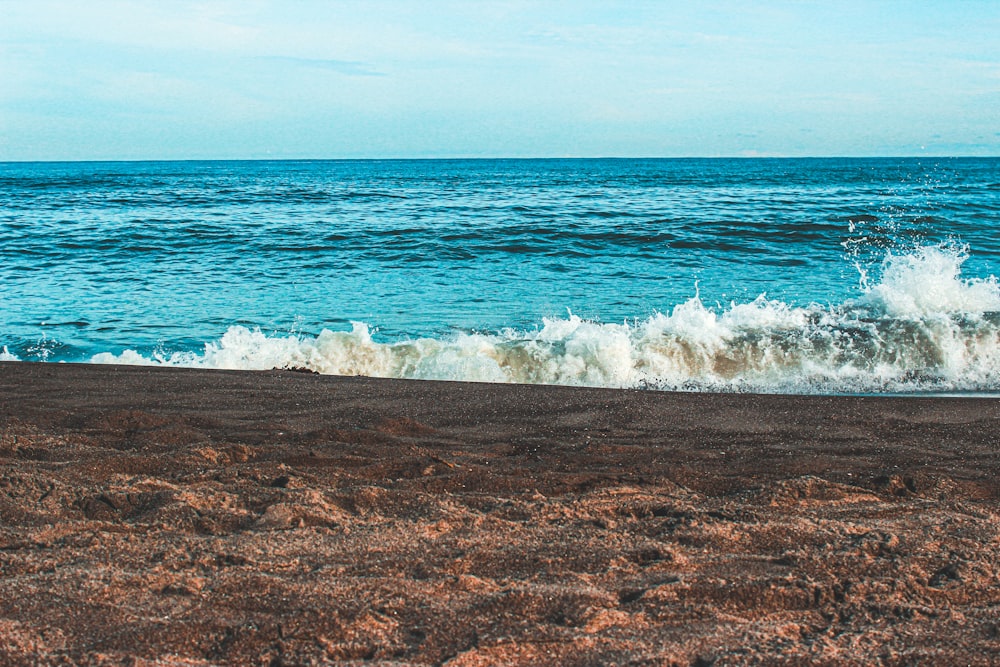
(348, 67)
(445, 77)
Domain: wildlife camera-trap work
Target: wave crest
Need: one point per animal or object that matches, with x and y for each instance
(922, 328)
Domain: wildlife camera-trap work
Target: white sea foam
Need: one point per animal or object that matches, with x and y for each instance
(928, 282)
(6, 355)
(922, 327)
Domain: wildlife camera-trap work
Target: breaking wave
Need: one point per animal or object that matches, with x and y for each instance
(922, 327)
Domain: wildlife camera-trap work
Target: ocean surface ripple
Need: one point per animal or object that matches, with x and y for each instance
(805, 276)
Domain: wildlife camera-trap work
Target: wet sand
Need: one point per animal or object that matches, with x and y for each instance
(183, 517)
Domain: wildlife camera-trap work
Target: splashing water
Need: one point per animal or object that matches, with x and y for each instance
(461, 270)
(921, 328)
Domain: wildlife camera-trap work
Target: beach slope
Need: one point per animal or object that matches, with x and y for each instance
(168, 516)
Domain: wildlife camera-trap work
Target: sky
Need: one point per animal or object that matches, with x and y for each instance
(249, 79)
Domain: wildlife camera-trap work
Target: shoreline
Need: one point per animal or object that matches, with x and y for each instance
(921, 394)
(232, 517)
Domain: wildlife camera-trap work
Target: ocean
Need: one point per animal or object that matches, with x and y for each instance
(763, 275)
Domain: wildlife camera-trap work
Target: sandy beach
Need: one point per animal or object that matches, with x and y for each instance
(154, 516)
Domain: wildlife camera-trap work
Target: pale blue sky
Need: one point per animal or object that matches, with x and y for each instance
(251, 79)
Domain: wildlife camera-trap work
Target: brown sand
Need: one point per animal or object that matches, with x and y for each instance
(156, 516)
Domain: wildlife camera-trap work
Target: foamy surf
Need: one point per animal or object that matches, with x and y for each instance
(922, 327)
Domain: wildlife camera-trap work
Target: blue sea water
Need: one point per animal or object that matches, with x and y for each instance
(800, 275)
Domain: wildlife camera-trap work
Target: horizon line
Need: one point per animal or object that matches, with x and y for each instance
(511, 158)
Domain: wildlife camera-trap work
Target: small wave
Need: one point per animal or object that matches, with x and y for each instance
(921, 328)
(928, 281)
(373, 195)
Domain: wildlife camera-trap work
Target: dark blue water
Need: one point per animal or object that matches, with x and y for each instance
(877, 275)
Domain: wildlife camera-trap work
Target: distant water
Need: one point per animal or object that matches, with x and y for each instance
(825, 275)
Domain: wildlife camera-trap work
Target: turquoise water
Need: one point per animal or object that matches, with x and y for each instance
(826, 275)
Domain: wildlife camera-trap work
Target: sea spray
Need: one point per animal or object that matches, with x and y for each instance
(921, 328)
(927, 281)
